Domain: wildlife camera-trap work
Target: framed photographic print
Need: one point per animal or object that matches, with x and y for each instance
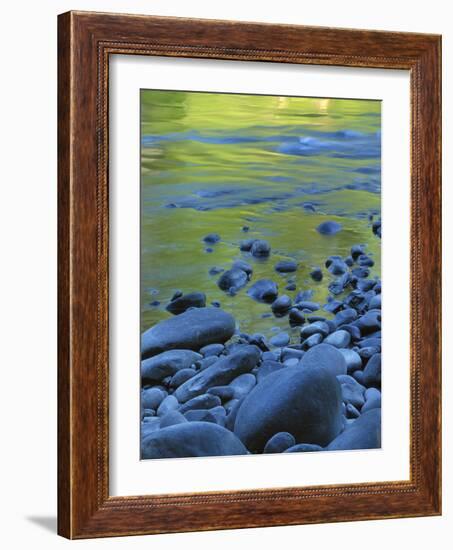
(249, 275)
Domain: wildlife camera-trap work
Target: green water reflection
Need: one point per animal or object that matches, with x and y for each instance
(218, 162)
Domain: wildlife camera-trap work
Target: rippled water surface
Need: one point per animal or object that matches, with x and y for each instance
(214, 163)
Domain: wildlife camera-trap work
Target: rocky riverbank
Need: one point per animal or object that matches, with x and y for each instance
(209, 389)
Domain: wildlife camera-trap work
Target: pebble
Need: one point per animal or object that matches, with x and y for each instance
(241, 264)
(205, 401)
(170, 403)
(212, 238)
(171, 418)
(260, 249)
(155, 369)
(352, 358)
(351, 411)
(182, 303)
(281, 305)
(225, 393)
(280, 340)
(286, 266)
(304, 448)
(279, 442)
(372, 372)
(338, 339)
(316, 274)
(329, 228)
(320, 327)
(263, 290)
(243, 384)
(222, 372)
(337, 267)
(246, 244)
(232, 279)
(372, 399)
(151, 398)
(296, 317)
(180, 377)
(311, 341)
(345, 316)
(212, 349)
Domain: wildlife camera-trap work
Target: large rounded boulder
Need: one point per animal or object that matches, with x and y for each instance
(301, 401)
(326, 357)
(191, 439)
(191, 330)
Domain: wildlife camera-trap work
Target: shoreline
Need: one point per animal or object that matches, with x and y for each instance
(211, 390)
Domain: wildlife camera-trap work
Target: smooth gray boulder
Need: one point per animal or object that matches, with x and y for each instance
(324, 356)
(224, 370)
(154, 369)
(302, 401)
(191, 439)
(190, 330)
(363, 433)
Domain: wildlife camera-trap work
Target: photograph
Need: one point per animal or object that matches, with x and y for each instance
(260, 274)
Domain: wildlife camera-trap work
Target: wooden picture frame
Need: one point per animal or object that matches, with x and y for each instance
(85, 41)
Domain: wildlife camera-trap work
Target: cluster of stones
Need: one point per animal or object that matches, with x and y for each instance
(210, 390)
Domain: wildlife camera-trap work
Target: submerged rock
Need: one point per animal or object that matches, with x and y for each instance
(212, 238)
(246, 244)
(233, 278)
(191, 330)
(286, 266)
(329, 228)
(263, 290)
(182, 303)
(281, 306)
(191, 439)
(260, 249)
(316, 274)
(240, 264)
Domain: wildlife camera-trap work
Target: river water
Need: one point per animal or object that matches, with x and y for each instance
(214, 163)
